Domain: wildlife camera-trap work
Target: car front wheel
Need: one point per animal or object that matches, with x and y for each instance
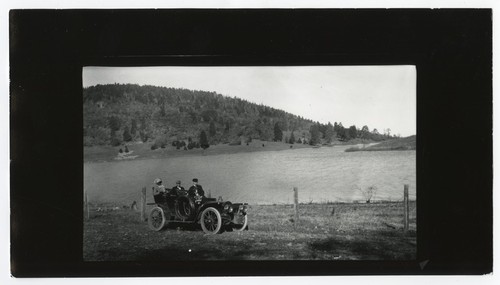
(241, 223)
(211, 221)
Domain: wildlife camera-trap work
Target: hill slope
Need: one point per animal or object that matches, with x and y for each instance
(148, 112)
(121, 113)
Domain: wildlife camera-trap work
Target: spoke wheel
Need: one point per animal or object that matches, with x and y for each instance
(211, 221)
(156, 219)
(241, 223)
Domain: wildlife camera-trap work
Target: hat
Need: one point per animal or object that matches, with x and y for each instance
(195, 180)
(157, 181)
(178, 182)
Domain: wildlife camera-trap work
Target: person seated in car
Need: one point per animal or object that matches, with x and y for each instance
(158, 187)
(175, 190)
(196, 191)
(159, 190)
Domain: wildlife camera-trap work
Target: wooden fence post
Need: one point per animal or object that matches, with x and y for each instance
(143, 204)
(86, 208)
(407, 208)
(296, 205)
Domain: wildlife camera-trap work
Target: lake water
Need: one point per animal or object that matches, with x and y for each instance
(321, 174)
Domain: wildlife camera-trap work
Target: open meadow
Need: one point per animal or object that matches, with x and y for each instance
(335, 231)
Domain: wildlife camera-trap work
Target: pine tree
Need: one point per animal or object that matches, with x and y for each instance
(315, 135)
(114, 140)
(353, 132)
(278, 133)
(163, 113)
(114, 123)
(292, 138)
(126, 135)
(204, 140)
(365, 132)
(211, 130)
(144, 136)
(329, 132)
(133, 129)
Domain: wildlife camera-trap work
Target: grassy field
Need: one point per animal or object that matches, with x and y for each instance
(324, 232)
(408, 143)
(143, 150)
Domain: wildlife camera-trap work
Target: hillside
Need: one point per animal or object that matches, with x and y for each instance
(121, 113)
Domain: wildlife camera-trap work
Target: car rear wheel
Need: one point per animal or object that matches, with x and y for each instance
(211, 221)
(240, 222)
(156, 219)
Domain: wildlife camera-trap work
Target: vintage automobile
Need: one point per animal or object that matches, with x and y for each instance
(214, 215)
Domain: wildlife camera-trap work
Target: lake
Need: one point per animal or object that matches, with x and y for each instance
(321, 174)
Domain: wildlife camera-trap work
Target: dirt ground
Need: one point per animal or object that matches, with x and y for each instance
(324, 232)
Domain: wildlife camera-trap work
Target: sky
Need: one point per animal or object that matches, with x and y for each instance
(377, 96)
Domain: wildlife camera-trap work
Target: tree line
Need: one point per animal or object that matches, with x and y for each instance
(120, 113)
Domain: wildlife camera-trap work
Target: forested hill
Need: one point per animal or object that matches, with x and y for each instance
(118, 113)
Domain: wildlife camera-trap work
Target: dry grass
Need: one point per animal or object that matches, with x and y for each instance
(324, 231)
(408, 143)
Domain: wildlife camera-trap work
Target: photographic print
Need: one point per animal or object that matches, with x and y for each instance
(249, 163)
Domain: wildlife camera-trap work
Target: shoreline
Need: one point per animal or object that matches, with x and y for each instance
(139, 151)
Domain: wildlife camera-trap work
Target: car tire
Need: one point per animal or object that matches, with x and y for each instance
(241, 227)
(211, 221)
(157, 218)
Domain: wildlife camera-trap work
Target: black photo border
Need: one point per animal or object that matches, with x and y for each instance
(452, 52)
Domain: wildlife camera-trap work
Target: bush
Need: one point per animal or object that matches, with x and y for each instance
(369, 193)
(126, 149)
(161, 142)
(154, 146)
(120, 151)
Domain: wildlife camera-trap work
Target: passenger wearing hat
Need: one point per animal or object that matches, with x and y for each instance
(159, 191)
(177, 188)
(196, 190)
(158, 187)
